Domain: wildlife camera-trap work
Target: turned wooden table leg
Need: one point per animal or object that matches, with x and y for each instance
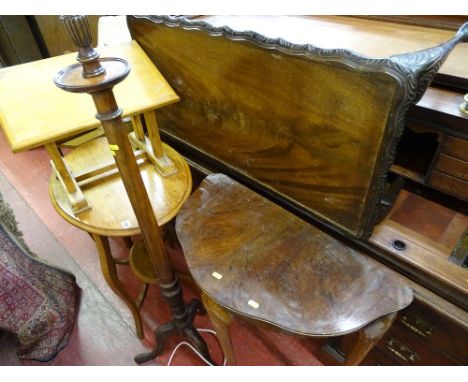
(368, 338)
(109, 271)
(221, 319)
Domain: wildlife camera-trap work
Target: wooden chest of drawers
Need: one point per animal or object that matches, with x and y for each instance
(434, 148)
(424, 334)
(451, 168)
(421, 337)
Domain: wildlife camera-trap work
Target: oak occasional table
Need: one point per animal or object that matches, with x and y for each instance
(111, 213)
(86, 189)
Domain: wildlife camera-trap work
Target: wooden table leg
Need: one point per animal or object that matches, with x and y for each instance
(221, 319)
(109, 270)
(151, 145)
(138, 128)
(153, 132)
(61, 167)
(77, 200)
(368, 338)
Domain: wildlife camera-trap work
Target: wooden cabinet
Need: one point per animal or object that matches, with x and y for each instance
(433, 150)
(451, 168)
(433, 157)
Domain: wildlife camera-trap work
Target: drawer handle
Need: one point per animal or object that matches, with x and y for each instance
(401, 351)
(417, 326)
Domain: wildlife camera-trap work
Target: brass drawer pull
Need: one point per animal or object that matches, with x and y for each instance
(401, 351)
(417, 326)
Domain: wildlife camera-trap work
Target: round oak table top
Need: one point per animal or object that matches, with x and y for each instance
(111, 213)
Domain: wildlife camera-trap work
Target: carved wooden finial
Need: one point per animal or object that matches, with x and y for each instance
(80, 32)
(83, 77)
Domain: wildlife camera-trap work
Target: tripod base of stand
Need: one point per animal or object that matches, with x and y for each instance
(183, 328)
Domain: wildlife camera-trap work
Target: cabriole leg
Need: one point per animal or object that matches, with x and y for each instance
(221, 320)
(368, 338)
(109, 271)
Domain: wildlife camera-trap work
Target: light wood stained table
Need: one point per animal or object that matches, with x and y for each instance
(86, 188)
(111, 213)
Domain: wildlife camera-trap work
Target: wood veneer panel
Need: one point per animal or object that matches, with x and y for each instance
(414, 214)
(309, 130)
(456, 147)
(430, 232)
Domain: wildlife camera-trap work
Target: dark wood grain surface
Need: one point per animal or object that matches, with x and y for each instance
(440, 108)
(302, 280)
(310, 131)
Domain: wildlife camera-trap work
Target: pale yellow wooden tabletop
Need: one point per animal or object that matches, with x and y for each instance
(33, 111)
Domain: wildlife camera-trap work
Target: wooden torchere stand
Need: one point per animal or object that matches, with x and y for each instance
(97, 77)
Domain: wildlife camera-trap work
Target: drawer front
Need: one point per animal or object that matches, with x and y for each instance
(456, 147)
(379, 358)
(408, 349)
(419, 336)
(435, 330)
(451, 185)
(452, 166)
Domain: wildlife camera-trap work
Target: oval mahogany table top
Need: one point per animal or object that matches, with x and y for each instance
(260, 261)
(111, 213)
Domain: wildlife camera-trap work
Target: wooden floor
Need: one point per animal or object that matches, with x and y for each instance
(104, 331)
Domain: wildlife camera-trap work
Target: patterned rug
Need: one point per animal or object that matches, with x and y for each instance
(37, 300)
